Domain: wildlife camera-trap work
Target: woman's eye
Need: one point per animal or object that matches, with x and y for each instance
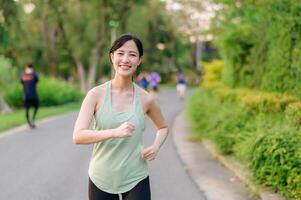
(133, 55)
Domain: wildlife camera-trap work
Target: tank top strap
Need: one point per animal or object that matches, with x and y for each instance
(137, 100)
(107, 99)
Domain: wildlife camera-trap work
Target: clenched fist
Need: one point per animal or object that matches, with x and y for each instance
(124, 130)
(149, 153)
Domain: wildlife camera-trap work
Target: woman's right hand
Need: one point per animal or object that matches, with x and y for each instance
(124, 130)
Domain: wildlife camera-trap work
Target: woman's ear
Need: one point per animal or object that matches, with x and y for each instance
(140, 60)
(111, 57)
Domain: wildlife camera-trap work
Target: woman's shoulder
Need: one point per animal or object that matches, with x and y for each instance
(97, 91)
(146, 97)
(97, 94)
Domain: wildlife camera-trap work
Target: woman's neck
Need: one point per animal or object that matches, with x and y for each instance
(122, 84)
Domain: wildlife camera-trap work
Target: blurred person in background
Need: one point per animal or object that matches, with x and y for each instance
(181, 85)
(155, 80)
(29, 80)
(143, 80)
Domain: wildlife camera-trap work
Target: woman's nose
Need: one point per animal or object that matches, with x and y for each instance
(125, 58)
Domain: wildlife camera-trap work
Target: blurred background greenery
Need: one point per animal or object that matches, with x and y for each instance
(69, 40)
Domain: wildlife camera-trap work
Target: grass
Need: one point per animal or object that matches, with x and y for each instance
(17, 118)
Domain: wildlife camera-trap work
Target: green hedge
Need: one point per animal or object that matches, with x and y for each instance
(268, 141)
(51, 92)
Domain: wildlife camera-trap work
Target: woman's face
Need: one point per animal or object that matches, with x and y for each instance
(126, 59)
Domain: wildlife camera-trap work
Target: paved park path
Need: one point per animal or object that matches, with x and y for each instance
(44, 164)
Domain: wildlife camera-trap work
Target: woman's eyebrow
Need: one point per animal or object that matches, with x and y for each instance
(120, 50)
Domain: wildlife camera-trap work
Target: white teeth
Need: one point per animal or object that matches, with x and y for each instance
(125, 67)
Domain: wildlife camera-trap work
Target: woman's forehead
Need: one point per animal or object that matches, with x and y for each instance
(129, 46)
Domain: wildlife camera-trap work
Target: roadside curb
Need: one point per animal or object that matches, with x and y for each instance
(241, 172)
(182, 124)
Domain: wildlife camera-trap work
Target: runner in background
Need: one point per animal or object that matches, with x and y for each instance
(181, 85)
(29, 82)
(155, 80)
(143, 80)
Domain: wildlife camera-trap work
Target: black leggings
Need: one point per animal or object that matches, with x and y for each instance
(140, 192)
(28, 103)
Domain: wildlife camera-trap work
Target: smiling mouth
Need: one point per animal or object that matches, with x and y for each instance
(126, 67)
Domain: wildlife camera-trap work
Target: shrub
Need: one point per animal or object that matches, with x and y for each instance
(293, 112)
(7, 73)
(276, 161)
(51, 92)
(262, 136)
(213, 71)
(251, 99)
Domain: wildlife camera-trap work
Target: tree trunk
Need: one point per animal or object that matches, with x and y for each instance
(53, 54)
(82, 75)
(4, 108)
(44, 30)
(193, 52)
(93, 64)
(170, 65)
(49, 38)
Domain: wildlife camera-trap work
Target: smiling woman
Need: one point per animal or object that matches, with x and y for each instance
(126, 58)
(119, 160)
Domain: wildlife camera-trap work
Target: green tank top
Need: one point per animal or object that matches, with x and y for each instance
(116, 165)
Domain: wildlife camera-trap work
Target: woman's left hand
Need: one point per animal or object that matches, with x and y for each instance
(149, 153)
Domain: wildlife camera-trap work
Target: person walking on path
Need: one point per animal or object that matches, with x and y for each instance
(181, 85)
(118, 164)
(29, 80)
(143, 80)
(155, 80)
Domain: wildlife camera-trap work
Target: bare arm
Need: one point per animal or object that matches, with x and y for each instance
(156, 116)
(81, 133)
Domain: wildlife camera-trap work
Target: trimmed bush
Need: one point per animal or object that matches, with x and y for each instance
(262, 137)
(252, 100)
(276, 161)
(293, 112)
(51, 92)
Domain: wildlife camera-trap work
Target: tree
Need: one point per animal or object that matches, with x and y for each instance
(7, 16)
(84, 31)
(192, 19)
(8, 75)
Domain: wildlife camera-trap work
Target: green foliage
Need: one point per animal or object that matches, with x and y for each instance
(253, 100)
(261, 50)
(7, 73)
(293, 112)
(263, 138)
(213, 71)
(276, 159)
(235, 41)
(59, 35)
(226, 121)
(51, 92)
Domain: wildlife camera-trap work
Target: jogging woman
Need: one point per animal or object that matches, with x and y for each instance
(118, 166)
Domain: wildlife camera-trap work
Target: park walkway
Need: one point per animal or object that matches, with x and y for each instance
(44, 164)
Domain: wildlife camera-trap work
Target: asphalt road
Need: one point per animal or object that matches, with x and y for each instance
(44, 164)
